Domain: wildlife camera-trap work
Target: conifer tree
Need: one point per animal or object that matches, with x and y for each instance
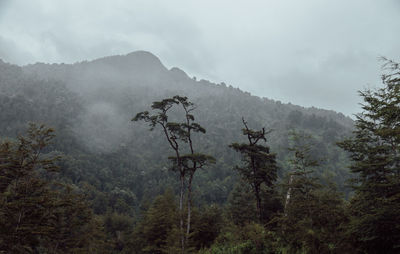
(159, 224)
(259, 163)
(301, 177)
(26, 200)
(375, 154)
(241, 206)
(314, 214)
(36, 215)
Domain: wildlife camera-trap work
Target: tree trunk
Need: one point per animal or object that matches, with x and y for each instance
(258, 198)
(189, 206)
(288, 194)
(182, 178)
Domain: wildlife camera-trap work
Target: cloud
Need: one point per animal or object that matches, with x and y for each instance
(306, 52)
(13, 54)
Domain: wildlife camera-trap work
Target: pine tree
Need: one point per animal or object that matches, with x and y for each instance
(375, 154)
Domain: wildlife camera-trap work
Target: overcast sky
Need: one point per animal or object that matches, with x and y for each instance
(309, 52)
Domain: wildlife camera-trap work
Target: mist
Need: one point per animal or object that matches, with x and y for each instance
(311, 53)
(199, 127)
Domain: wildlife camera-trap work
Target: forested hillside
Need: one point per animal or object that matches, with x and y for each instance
(124, 172)
(90, 105)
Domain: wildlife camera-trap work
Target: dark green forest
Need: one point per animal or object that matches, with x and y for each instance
(121, 155)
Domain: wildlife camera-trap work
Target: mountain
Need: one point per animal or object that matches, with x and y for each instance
(90, 105)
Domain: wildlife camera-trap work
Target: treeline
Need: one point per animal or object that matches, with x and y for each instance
(42, 214)
(46, 208)
(39, 214)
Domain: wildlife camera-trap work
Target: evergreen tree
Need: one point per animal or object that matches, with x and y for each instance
(259, 163)
(36, 215)
(375, 154)
(207, 224)
(303, 164)
(157, 232)
(118, 228)
(75, 229)
(241, 205)
(314, 214)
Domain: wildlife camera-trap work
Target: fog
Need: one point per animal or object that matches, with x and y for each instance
(311, 53)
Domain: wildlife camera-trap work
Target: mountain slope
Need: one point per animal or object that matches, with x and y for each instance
(91, 103)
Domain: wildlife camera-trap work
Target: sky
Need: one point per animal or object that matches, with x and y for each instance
(310, 53)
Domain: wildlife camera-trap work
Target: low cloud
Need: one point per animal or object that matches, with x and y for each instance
(310, 52)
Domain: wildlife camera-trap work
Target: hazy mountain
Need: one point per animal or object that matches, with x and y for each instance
(90, 104)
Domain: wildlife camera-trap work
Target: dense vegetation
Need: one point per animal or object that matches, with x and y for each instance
(104, 184)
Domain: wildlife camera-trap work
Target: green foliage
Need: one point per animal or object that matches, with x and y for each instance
(259, 164)
(119, 229)
(176, 134)
(120, 170)
(375, 154)
(188, 161)
(102, 150)
(314, 215)
(242, 207)
(36, 214)
(207, 225)
(158, 230)
(250, 238)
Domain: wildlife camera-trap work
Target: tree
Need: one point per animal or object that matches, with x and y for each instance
(314, 214)
(302, 163)
(208, 222)
(186, 164)
(375, 153)
(259, 164)
(157, 232)
(192, 161)
(37, 215)
(173, 134)
(241, 206)
(75, 229)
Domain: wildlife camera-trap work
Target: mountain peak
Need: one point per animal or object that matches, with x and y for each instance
(137, 60)
(178, 74)
(143, 55)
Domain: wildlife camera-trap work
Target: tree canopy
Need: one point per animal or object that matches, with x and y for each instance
(375, 154)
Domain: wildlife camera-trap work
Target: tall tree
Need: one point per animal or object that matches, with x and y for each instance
(302, 163)
(173, 133)
(313, 214)
(375, 154)
(177, 134)
(192, 161)
(259, 163)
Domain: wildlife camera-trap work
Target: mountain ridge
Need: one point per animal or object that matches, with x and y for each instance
(90, 105)
(138, 60)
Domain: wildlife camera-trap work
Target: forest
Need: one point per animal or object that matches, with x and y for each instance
(122, 155)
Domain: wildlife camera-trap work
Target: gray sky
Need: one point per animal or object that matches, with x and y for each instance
(310, 52)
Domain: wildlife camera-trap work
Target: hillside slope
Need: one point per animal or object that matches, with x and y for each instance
(90, 104)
